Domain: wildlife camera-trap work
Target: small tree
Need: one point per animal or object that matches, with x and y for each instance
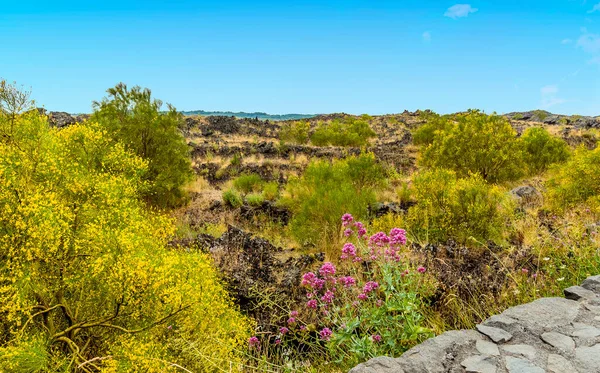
(542, 149)
(132, 117)
(13, 101)
(477, 143)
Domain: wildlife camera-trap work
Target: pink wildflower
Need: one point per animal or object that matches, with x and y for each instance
(379, 303)
(398, 236)
(379, 239)
(327, 297)
(327, 269)
(294, 313)
(312, 304)
(347, 219)
(362, 296)
(525, 270)
(348, 232)
(347, 281)
(376, 338)
(349, 249)
(277, 341)
(308, 279)
(325, 334)
(421, 269)
(283, 330)
(291, 321)
(370, 286)
(253, 342)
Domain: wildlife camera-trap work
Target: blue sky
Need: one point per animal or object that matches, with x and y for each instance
(355, 56)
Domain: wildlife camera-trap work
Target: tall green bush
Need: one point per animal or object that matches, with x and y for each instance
(326, 191)
(541, 149)
(476, 143)
(295, 132)
(134, 118)
(347, 132)
(468, 210)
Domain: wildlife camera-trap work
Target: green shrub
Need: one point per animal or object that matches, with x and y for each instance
(327, 190)
(477, 143)
(255, 199)
(271, 191)
(295, 132)
(542, 149)
(426, 132)
(248, 183)
(133, 118)
(576, 181)
(232, 198)
(449, 207)
(347, 132)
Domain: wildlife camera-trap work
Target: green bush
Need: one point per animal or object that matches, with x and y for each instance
(449, 207)
(232, 198)
(576, 181)
(326, 191)
(541, 149)
(434, 123)
(295, 132)
(347, 132)
(255, 199)
(248, 183)
(132, 117)
(477, 143)
(271, 191)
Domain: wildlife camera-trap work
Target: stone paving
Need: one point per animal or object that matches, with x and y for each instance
(553, 335)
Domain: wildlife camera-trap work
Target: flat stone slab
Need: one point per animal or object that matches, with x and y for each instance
(487, 348)
(495, 334)
(578, 292)
(559, 341)
(527, 351)
(545, 313)
(587, 359)
(592, 283)
(516, 365)
(480, 364)
(558, 364)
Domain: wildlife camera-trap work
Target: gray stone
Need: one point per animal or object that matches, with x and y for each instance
(496, 334)
(487, 348)
(545, 313)
(526, 351)
(559, 341)
(558, 364)
(480, 364)
(592, 283)
(501, 321)
(516, 365)
(585, 331)
(433, 355)
(382, 364)
(597, 318)
(527, 195)
(578, 292)
(587, 359)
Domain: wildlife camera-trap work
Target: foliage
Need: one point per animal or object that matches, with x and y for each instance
(133, 118)
(542, 149)
(477, 143)
(248, 183)
(255, 199)
(326, 190)
(368, 306)
(576, 181)
(13, 101)
(464, 209)
(271, 191)
(434, 123)
(347, 132)
(88, 282)
(232, 198)
(295, 132)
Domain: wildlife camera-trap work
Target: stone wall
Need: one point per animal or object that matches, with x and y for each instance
(553, 335)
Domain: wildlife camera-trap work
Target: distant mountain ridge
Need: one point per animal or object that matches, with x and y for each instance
(259, 115)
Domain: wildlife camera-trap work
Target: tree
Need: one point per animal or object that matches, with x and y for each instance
(476, 143)
(542, 149)
(13, 101)
(132, 117)
(87, 282)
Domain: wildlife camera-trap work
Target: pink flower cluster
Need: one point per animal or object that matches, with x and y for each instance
(253, 342)
(370, 286)
(325, 334)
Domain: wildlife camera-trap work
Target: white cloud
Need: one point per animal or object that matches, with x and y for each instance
(426, 36)
(460, 10)
(549, 97)
(566, 41)
(596, 8)
(590, 43)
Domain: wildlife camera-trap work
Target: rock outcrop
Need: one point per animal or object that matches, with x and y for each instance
(554, 335)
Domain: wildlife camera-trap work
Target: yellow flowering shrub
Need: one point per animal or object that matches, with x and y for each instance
(87, 282)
